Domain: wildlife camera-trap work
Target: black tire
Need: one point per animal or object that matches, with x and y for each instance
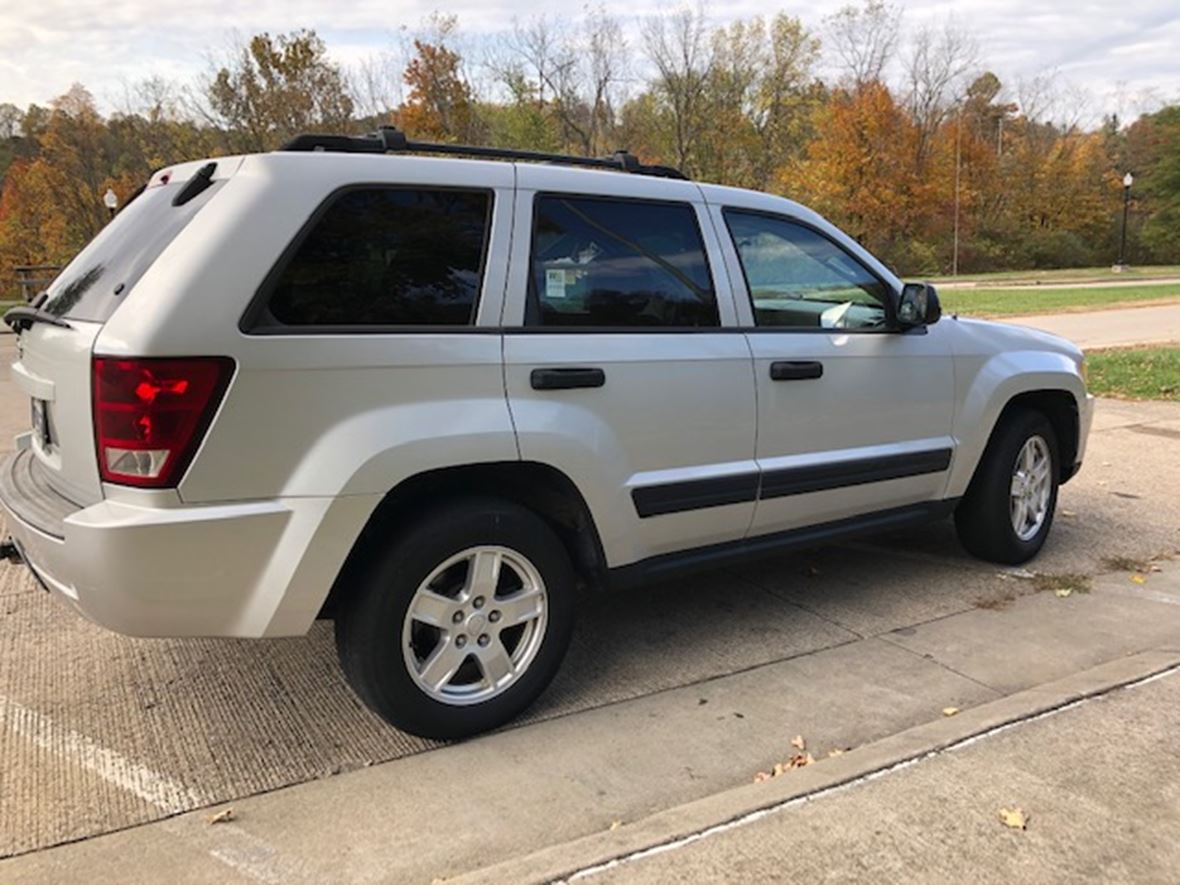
(983, 519)
(369, 626)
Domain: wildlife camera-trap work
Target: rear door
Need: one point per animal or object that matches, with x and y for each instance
(854, 416)
(53, 365)
(624, 366)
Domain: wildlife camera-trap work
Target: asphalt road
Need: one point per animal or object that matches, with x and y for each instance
(1117, 327)
(668, 695)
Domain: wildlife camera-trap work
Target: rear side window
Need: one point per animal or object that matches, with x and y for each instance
(383, 256)
(625, 263)
(99, 278)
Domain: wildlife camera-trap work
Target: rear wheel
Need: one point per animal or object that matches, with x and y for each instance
(1008, 509)
(462, 622)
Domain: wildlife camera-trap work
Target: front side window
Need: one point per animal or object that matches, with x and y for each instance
(798, 277)
(385, 256)
(621, 263)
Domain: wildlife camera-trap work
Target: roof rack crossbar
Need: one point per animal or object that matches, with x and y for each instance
(388, 140)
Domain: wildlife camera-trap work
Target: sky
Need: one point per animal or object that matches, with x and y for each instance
(1117, 57)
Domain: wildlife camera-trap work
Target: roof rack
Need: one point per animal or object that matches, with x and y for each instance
(389, 140)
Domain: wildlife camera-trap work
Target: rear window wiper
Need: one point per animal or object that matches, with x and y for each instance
(21, 317)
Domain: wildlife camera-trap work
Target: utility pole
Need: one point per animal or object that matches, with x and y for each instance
(958, 176)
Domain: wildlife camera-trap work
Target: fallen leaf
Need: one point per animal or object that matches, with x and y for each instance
(1063, 592)
(222, 817)
(1014, 818)
(615, 824)
(1155, 568)
(836, 752)
(949, 711)
(1068, 513)
(762, 777)
(1022, 573)
(1138, 579)
(798, 743)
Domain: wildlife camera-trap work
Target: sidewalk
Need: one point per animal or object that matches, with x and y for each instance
(1117, 327)
(1098, 783)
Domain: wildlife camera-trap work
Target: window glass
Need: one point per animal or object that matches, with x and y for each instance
(601, 262)
(101, 276)
(387, 257)
(798, 277)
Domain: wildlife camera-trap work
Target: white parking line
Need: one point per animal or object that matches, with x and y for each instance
(164, 793)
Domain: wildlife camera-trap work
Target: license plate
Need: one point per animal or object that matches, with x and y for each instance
(41, 423)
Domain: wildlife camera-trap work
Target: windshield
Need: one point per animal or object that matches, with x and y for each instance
(98, 279)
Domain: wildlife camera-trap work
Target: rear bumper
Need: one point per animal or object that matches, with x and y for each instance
(260, 568)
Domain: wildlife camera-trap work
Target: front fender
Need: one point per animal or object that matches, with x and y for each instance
(988, 383)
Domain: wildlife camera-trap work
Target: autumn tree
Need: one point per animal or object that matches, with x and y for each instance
(1160, 181)
(571, 76)
(760, 91)
(440, 103)
(680, 49)
(864, 39)
(276, 87)
(937, 65)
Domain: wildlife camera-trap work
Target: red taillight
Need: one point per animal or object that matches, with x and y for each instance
(151, 414)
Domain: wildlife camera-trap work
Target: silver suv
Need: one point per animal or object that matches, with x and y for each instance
(431, 397)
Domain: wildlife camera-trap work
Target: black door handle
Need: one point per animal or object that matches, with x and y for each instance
(795, 370)
(566, 378)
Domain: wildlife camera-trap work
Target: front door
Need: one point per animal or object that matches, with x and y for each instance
(854, 416)
(624, 366)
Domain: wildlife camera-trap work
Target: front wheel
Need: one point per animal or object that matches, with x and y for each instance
(462, 622)
(1008, 509)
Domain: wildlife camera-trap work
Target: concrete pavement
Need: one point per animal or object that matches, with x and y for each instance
(1099, 783)
(1117, 327)
(668, 697)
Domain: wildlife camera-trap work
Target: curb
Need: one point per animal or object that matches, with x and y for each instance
(691, 821)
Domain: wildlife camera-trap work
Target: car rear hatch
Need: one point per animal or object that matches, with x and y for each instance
(58, 329)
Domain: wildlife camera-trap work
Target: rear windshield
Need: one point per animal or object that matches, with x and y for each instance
(98, 279)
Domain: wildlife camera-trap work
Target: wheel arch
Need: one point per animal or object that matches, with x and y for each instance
(1060, 407)
(539, 487)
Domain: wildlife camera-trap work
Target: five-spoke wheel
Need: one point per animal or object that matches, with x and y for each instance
(458, 624)
(474, 625)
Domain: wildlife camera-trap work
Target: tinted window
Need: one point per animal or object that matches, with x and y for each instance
(603, 262)
(798, 277)
(387, 257)
(99, 278)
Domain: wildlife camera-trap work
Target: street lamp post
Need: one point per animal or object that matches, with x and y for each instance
(1121, 264)
(111, 201)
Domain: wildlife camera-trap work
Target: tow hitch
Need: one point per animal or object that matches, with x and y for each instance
(10, 552)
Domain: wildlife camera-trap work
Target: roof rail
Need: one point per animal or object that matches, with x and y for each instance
(389, 140)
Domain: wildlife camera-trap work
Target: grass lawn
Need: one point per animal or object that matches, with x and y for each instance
(1065, 275)
(1006, 302)
(1135, 372)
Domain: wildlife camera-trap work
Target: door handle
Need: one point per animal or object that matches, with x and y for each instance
(795, 370)
(566, 378)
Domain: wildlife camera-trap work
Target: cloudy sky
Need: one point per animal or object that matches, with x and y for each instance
(1122, 57)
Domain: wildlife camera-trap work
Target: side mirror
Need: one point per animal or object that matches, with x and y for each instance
(918, 305)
